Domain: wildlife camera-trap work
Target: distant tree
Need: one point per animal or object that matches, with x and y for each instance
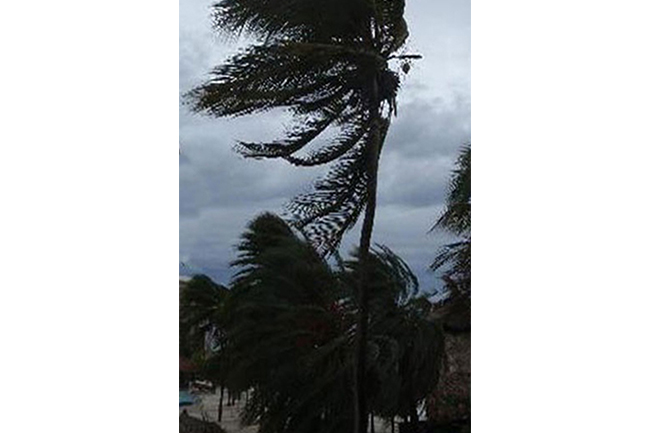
(454, 259)
(328, 63)
(203, 314)
(201, 304)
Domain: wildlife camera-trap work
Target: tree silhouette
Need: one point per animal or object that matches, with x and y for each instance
(455, 258)
(201, 301)
(451, 399)
(291, 337)
(288, 334)
(405, 346)
(203, 315)
(327, 62)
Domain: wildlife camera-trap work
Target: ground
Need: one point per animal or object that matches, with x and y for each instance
(208, 409)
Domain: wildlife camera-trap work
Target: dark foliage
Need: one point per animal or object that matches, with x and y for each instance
(455, 258)
(201, 301)
(291, 337)
(327, 63)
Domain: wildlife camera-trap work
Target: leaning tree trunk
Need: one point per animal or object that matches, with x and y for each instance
(361, 401)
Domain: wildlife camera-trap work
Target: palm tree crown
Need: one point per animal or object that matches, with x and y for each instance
(327, 62)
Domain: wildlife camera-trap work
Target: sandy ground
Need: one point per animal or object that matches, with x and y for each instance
(208, 409)
(209, 406)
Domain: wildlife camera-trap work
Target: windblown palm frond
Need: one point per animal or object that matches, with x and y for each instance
(406, 358)
(457, 216)
(297, 19)
(405, 347)
(330, 21)
(391, 280)
(454, 259)
(336, 201)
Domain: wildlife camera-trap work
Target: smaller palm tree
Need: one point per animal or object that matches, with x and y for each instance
(405, 346)
(293, 339)
(455, 258)
(203, 314)
(290, 342)
(201, 304)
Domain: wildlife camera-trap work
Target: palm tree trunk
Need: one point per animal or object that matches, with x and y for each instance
(361, 404)
(413, 412)
(220, 405)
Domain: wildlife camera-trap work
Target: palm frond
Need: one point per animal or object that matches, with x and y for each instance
(337, 200)
(457, 215)
(327, 63)
(454, 259)
(296, 19)
(270, 76)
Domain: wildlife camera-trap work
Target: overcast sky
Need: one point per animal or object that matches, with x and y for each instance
(220, 191)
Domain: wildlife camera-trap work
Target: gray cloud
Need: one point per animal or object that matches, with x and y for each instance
(421, 148)
(213, 175)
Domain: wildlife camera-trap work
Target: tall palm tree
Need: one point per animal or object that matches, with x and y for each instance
(327, 62)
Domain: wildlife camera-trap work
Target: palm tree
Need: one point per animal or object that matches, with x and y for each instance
(454, 312)
(327, 62)
(203, 313)
(290, 342)
(291, 337)
(405, 346)
(455, 258)
(200, 304)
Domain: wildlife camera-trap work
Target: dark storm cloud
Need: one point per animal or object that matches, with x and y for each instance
(220, 192)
